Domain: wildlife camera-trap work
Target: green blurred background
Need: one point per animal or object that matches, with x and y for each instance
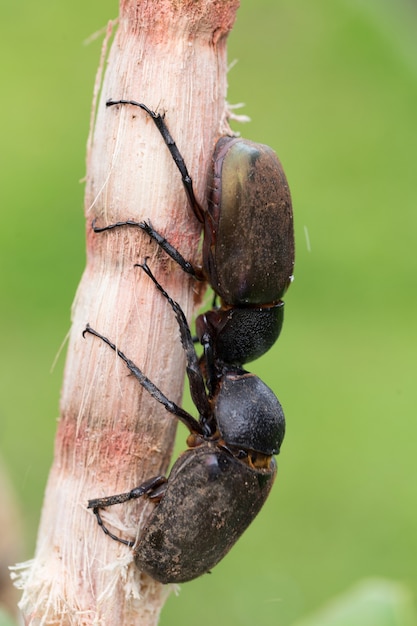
(332, 86)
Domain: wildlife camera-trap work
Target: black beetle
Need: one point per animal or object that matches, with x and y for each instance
(248, 247)
(216, 487)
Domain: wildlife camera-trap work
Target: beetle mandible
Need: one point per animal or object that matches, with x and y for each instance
(218, 485)
(248, 246)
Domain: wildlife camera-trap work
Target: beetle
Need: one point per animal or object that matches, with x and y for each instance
(218, 485)
(248, 245)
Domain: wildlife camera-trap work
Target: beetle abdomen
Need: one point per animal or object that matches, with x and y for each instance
(250, 203)
(211, 499)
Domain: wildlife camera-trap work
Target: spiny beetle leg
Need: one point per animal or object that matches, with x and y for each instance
(197, 386)
(172, 147)
(147, 488)
(188, 420)
(185, 265)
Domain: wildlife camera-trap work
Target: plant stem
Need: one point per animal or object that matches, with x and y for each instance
(170, 55)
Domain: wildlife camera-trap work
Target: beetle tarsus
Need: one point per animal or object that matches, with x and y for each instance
(126, 542)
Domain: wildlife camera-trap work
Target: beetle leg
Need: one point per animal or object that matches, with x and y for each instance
(195, 377)
(185, 265)
(153, 488)
(175, 153)
(209, 360)
(126, 542)
(188, 420)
